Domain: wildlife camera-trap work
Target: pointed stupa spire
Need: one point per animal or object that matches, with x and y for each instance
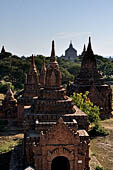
(3, 50)
(89, 60)
(89, 48)
(71, 45)
(84, 49)
(33, 66)
(9, 94)
(53, 58)
(43, 66)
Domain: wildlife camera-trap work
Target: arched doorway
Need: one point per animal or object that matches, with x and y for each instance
(60, 163)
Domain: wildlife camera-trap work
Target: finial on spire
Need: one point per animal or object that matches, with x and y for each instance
(53, 49)
(89, 48)
(53, 58)
(71, 45)
(32, 67)
(84, 48)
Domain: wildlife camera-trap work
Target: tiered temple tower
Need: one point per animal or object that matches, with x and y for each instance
(31, 84)
(89, 79)
(55, 129)
(31, 88)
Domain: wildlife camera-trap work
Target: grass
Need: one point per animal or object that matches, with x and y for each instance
(103, 146)
(7, 143)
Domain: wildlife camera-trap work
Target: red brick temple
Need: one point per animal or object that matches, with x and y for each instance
(89, 79)
(55, 130)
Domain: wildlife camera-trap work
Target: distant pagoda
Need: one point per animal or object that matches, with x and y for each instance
(89, 79)
(70, 53)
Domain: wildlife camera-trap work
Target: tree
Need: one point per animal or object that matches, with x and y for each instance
(84, 103)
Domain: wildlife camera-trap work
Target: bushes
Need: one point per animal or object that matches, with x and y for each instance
(98, 130)
(84, 103)
(99, 168)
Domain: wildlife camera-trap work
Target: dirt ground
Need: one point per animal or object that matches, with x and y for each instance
(102, 148)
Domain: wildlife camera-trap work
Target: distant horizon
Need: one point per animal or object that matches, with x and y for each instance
(50, 53)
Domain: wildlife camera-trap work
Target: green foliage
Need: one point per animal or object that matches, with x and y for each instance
(66, 76)
(83, 102)
(99, 168)
(98, 130)
(72, 67)
(14, 69)
(105, 66)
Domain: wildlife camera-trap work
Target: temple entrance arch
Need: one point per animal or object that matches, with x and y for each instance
(60, 163)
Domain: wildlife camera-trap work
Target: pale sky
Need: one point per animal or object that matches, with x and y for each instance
(28, 26)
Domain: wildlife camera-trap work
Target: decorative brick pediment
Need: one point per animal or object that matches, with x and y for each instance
(60, 134)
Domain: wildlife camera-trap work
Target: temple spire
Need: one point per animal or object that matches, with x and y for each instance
(53, 58)
(71, 45)
(33, 66)
(9, 94)
(89, 48)
(84, 49)
(3, 50)
(43, 66)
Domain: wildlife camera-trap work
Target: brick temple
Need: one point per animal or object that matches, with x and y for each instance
(9, 106)
(89, 79)
(55, 130)
(31, 88)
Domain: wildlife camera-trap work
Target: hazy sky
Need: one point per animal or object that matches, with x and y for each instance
(29, 26)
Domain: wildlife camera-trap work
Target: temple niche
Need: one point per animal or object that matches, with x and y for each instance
(55, 130)
(89, 79)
